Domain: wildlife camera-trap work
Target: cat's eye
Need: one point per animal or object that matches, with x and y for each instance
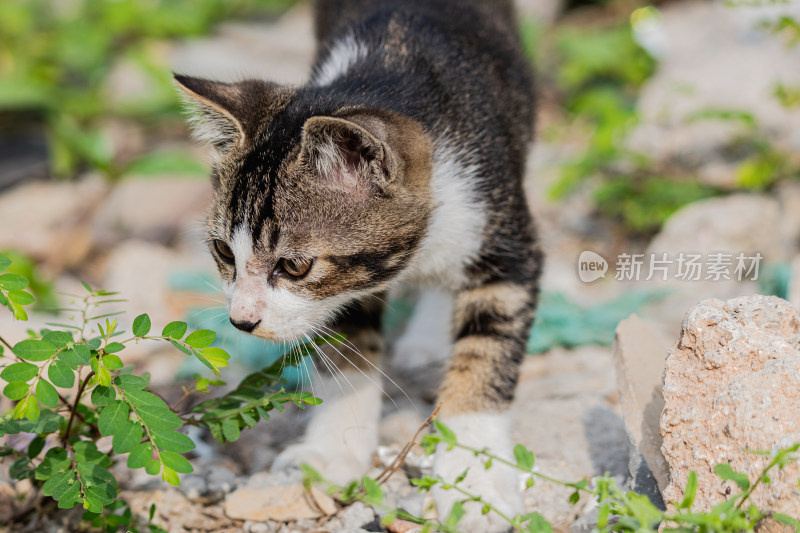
(224, 251)
(296, 267)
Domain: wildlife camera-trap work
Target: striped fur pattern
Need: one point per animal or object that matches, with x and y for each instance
(400, 161)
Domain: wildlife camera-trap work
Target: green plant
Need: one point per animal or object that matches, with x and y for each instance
(56, 61)
(618, 510)
(71, 388)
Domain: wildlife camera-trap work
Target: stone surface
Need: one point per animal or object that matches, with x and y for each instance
(569, 396)
(281, 52)
(639, 354)
(55, 218)
(732, 383)
(277, 497)
(701, 69)
(151, 209)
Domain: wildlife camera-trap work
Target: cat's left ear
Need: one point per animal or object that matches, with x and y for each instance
(229, 114)
(348, 154)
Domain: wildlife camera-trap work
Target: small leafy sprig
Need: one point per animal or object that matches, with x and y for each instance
(71, 388)
(618, 510)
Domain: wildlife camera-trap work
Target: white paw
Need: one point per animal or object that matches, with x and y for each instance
(498, 486)
(338, 466)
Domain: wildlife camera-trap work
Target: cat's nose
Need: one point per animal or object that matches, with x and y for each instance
(244, 325)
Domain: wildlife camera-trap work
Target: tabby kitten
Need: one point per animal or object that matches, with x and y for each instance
(400, 161)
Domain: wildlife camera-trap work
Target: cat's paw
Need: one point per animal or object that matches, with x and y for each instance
(498, 485)
(337, 465)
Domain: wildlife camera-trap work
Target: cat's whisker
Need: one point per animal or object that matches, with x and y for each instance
(364, 373)
(355, 350)
(329, 364)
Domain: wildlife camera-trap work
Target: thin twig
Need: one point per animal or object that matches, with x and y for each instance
(395, 465)
(74, 409)
(6, 343)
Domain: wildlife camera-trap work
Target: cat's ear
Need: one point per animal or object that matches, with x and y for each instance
(349, 154)
(226, 115)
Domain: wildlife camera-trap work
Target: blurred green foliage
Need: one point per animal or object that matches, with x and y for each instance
(40, 286)
(597, 72)
(56, 58)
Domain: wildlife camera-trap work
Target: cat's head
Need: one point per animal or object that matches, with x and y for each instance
(316, 205)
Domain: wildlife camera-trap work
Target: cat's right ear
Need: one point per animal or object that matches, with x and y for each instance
(227, 115)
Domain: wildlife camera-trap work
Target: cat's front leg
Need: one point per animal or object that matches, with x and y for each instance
(343, 433)
(491, 322)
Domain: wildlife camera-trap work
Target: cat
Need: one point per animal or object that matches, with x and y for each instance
(399, 162)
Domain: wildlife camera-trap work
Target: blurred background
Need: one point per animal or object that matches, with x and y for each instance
(663, 128)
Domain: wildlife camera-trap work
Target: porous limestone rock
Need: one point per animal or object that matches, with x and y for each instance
(732, 384)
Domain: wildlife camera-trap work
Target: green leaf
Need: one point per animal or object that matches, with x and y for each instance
(727, 473)
(690, 492)
(173, 441)
(128, 382)
(114, 347)
(113, 417)
(30, 408)
(59, 484)
(112, 362)
(18, 311)
(140, 455)
(153, 411)
(4, 262)
(61, 374)
(446, 433)
(230, 429)
(524, 457)
(46, 393)
(59, 339)
(200, 338)
(12, 282)
(16, 390)
(55, 461)
(141, 325)
(175, 330)
(21, 297)
(152, 467)
(34, 350)
(103, 395)
(36, 446)
(455, 515)
(538, 523)
(19, 372)
(181, 347)
(788, 520)
(103, 377)
(76, 356)
(127, 436)
(176, 462)
(372, 490)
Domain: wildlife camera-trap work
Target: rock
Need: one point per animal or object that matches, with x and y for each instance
(174, 511)
(737, 225)
(55, 217)
(569, 396)
(769, 525)
(152, 209)
(731, 384)
(277, 497)
(353, 516)
(701, 70)
(793, 293)
(639, 354)
(281, 52)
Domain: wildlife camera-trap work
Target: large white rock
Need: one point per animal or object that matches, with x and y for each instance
(732, 384)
